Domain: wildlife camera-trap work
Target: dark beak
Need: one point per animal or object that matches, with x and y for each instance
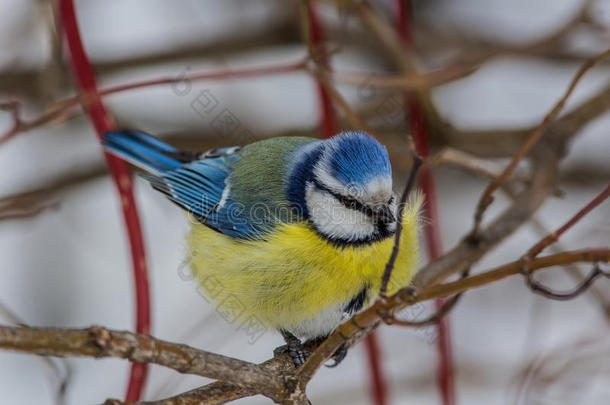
(384, 215)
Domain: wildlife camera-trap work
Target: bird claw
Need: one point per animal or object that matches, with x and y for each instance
(299, 354)
(338, 356)
(294, 348)
(278, 351)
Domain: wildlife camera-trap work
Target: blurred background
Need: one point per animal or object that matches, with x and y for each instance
(65, 258)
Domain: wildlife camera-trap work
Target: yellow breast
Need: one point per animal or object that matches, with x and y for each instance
(295, 274)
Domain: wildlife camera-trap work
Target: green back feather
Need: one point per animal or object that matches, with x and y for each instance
(259, 177)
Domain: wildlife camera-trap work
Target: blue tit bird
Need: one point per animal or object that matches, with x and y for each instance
(290, 233)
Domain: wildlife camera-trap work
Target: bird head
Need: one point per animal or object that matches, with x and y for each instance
(348, 193)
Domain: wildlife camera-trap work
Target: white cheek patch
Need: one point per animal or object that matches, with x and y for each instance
(378, 190)
(333, 219)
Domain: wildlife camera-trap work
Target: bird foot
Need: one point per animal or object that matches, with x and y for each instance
(295, 349)
(299, 354)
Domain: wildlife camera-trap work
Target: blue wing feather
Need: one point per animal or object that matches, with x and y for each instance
(141, 150)
(196, 186)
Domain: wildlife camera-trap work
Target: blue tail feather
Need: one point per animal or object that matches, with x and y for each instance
(143, 150)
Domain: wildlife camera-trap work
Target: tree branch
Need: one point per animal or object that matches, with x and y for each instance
(98, 342)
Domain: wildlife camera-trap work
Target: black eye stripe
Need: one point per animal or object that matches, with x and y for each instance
(348, 202)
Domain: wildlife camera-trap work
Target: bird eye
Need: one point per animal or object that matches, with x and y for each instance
(391, 200)
(350, 203)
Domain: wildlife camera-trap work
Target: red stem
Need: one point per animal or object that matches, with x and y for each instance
(328, 121)
(445, 371)
(102, 121)
(378, 389)
(328, 126)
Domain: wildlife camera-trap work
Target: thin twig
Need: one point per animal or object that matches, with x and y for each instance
(445, 289)
(35, 201)
(412, 81)
(447, 306)
(547, 292)
(211, 394)
(276, 32)
(387, 272)
(554, 236)
(64, 107)
(469, 162)
(487, 196)
(574, 272)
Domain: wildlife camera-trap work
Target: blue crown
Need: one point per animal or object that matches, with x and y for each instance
(356, 157)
